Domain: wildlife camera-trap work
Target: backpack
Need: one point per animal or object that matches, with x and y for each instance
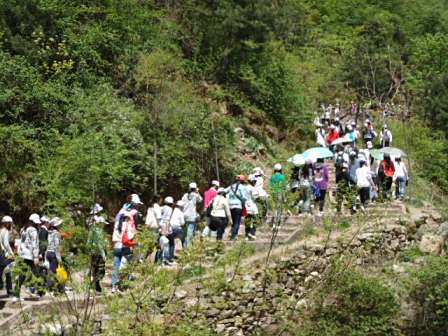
(128, 238)
(339, 161)
(368, 134)
(386, 136)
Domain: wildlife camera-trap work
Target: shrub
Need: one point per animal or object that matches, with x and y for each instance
(353, 304)
(430, 297)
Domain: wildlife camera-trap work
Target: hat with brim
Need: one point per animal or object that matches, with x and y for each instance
(136, 199)
(35, 218)
(56, 221)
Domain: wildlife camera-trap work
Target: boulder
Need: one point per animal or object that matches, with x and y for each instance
(431, 244)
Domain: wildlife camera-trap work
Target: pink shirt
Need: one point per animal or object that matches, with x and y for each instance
(209, 195)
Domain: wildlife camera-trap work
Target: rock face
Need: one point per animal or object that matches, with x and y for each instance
(431, 244)
(254, 304)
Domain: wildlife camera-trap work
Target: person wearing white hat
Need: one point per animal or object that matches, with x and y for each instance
(401, 177)
(165, 230)
(320, 136)
(43, 236)
(177, 222)
(209, 195)
(191, 201)
(53, 255)
(220, 214)
(252, 209)
(386, 137)
(6, 253)
(364, 182)
(28, 251)
(97, 244)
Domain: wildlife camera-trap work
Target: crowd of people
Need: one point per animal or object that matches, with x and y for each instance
(360, 178)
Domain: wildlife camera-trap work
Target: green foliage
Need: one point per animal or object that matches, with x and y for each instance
(426, 148)
(352, 304)
(429, 295)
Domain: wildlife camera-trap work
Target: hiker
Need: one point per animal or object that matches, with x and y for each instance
(252, 209)
(337, 110)
(154, 214)
(356, 131)
(364, 182)
(209, 195)
(338, 126)
(29, 252)
(386, 137)
(177, 223)
(236, 194)
(353, 107)
(191, 201)
(320, 135)
(401, 178)
(333, 135)
(386, 172)
(220, 214)
(133, 209)
(277, 183)
(163, 253)
(368, 132)
(342, 186)
(43, 236)
(306, 181)
(320, 183)
(353, 165)
(97, 244)
(262, 200)
(53, 253)
(6, 254)
(121, 252)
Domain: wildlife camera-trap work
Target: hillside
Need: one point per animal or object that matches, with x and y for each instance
(102, 99)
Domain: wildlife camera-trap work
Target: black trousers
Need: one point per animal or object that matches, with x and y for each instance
(218, 224)
(4, 262)
(98, 270)
(364, 194)
(321, 200)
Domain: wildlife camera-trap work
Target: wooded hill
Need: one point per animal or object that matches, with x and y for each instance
(90, 90)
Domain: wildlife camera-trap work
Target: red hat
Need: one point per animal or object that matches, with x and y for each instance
(241, 178)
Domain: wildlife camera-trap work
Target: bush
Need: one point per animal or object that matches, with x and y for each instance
(430, 297)
(353, 304)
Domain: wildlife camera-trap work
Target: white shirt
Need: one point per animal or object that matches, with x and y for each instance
(400, 170)
(363, 178)
(4, 243)
(177, 218)
(252, 195)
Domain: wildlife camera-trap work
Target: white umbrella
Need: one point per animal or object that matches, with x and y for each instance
(297, 160)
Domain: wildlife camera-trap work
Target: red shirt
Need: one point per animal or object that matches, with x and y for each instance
(389, 169)
(332, 136)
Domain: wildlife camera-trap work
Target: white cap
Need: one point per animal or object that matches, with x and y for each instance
(44, 219)
(97, 208)
(56, 221)
(169, 200)
(215, 183)
(277, 166)
(7, 219)
(193, 185)
(35, 218)
(180, 204)
(332, 126)
(136, 199)
(369, 144)
(349, 127)
(221, 190)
